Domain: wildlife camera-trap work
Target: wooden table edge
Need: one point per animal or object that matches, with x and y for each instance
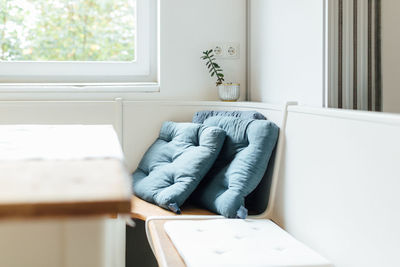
(64, 209)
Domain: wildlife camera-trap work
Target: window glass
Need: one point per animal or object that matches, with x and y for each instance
(68, 30)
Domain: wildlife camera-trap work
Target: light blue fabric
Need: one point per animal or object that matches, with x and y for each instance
(201, 116)
(239, 167)
(176, 162)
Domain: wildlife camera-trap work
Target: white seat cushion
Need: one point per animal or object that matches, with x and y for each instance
(233, 242)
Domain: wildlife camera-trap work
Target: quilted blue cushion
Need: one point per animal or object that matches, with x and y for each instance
(176, 162)
(239, 167)
(201, 116)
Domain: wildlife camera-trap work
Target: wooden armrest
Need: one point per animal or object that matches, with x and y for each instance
(141, 210)
(164, 250)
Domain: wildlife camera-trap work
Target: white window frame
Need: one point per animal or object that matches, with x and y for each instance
(143, 70)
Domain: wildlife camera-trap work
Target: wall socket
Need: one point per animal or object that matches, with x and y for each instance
(227, 50)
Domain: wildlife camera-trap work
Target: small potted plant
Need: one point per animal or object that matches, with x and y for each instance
(226, 91)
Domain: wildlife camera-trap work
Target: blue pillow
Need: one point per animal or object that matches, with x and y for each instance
(239, 167)
(201, 116)
(176, 162)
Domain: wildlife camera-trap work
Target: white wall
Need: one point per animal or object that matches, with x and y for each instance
(391, 55)
(286, 44)
(188, 27)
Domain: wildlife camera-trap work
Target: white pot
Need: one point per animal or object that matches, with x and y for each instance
(229, 91)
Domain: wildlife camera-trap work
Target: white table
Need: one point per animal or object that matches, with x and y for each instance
(59, 187)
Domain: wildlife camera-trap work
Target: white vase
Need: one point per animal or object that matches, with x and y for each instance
(229, 91)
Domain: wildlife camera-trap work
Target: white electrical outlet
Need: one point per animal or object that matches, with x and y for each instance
(231, 50)
(218, 50)
(226, 50)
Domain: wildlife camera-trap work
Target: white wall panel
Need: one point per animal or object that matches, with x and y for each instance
(62, 112)
(18, 237)
(82, 242)
(338, 190)
(287, 51)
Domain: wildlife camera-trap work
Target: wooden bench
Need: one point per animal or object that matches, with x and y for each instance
(340, 172)
(160, 243)
(164, 111)
(163, 249)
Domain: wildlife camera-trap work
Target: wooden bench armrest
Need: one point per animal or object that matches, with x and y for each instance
(165, 252)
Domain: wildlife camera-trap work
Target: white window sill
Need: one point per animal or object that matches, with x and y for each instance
(79, 88)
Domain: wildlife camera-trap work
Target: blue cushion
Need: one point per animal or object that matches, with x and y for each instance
(176, 162)
(201, 116)
(240, 166)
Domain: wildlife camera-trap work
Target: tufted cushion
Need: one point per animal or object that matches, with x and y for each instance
(201, 116)
(176, 162)
(226, 242)
(240, 166)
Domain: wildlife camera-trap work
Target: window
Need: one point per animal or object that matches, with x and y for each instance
(78, 41)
